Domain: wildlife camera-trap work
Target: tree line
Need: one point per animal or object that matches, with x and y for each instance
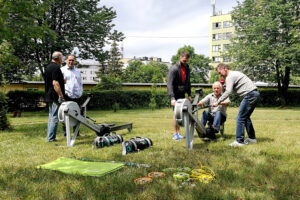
(266, 45)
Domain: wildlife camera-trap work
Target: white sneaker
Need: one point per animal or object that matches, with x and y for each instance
(236, 144)
(250, 141)
(181, 136)
(176, 137)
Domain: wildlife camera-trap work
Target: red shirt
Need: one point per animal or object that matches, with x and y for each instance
(182, 70)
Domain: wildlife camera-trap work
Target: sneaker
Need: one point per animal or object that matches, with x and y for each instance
(176, 137)
(236, 144)
(181, 136)
(250, 141)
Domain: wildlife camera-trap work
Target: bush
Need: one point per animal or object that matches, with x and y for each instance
(4, 123)
(126, 99)
(129, 99)
(25, 100)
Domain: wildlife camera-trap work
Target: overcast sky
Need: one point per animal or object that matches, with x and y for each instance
(158, 28)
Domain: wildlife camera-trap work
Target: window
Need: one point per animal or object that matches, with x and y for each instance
(216, 59)
(83, 78)
(217, 36)
(227, 24)
(216, 48)
(217, 25)
(227, 36)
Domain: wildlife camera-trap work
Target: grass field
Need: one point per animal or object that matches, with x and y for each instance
(266, 170)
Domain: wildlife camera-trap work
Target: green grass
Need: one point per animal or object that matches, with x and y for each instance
(266, 170)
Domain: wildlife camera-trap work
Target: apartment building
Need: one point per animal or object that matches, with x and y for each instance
(88, 70)
(221, 31)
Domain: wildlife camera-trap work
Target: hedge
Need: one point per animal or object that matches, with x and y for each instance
(25, 100)
(126, 99)
(129, 99)
(4, 123)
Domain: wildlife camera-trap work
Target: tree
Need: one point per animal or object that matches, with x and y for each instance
(129, 75)
(137, 72)
(267, 46)
(214, 76)
(114, 66)
(146, 73)
(38, 28)
(109, 83)
(17, 26)
(162, 67)
(199, 64)
(10, 67)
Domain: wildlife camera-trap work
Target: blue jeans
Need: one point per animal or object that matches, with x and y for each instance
(52, 121)
(243, 120)
(216, 120)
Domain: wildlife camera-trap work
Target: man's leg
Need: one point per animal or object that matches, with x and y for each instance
(205, 116)
(52, 121)
(253, 99)
(247, 107)
(175, 126)
(218, 119)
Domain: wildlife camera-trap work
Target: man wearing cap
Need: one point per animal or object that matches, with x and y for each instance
(239, 83)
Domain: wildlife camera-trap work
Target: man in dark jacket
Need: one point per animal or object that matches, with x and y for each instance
(54, 90)
(178, 85)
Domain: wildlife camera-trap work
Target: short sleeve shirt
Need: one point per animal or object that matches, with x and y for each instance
(52, 73)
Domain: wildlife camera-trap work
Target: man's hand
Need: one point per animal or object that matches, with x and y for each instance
(173, 102)
(61, 100)
(200, 104)
(190, 99)
(215, 104)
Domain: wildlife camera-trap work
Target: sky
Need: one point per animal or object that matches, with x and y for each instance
(158, 28)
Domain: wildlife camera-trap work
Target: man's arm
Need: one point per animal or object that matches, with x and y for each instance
(203, 101)
(57, 88)
(229, 89)
(170, 86)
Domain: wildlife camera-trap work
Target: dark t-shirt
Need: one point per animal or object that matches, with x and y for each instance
(52, 73)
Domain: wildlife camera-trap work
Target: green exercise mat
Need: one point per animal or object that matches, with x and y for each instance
(85, 168)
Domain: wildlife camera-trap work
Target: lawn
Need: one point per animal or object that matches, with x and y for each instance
(266, 170)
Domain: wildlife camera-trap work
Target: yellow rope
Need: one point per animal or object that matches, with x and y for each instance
(203, 174)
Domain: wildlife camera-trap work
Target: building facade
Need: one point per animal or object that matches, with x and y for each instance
(221, 31)
(88, 70)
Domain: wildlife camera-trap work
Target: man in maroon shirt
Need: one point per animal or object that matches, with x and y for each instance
(179, 84)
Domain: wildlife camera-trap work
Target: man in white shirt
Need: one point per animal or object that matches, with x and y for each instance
(73, 84)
